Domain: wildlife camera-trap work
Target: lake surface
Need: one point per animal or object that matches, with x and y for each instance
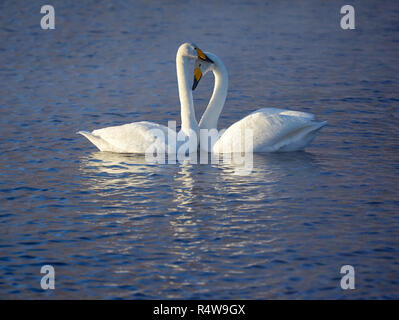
(114, 226)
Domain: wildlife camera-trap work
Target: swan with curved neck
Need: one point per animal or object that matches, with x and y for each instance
(138, 137)
(272, 129)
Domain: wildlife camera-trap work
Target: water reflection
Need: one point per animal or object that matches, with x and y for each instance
(114, 163)
(270, 171)
(185, 187)
(125, 168)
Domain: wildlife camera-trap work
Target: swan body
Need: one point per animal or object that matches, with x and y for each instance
(271, 129)
(136, 137)
(141, 137)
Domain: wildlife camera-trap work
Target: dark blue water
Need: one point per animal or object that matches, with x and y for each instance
(114, 226)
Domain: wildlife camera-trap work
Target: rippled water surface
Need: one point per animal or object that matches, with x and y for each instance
(114, 226)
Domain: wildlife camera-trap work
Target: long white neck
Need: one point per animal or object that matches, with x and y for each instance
(211, 115)
(188, 120)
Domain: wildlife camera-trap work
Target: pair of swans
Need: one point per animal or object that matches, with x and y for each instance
(271, 129)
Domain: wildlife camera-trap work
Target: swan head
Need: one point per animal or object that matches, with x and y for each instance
(191, 50)
(203, 66)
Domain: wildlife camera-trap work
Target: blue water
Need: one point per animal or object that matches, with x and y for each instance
(114, 226)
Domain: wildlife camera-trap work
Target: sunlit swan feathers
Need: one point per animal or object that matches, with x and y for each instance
(272, 129)
(136, 137)
(142, 137)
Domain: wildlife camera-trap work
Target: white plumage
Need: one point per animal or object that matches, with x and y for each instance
(143, 137)
(270, 129)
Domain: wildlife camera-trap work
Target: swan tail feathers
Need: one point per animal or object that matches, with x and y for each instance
(319, 125)
(301, 139)
(100, 143)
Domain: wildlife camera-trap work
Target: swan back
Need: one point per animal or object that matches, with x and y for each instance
(271, 130)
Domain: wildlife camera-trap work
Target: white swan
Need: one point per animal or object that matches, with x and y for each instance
(272, 129)
(138, 137)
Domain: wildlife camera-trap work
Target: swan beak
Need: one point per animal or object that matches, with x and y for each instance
(201, 55)
(197, 77)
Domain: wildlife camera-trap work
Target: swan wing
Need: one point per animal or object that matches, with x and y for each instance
(272, 130)
(273, 111)
(134, 137)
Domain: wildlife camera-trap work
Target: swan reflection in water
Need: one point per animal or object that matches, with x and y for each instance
(186, 186)
(172, 211)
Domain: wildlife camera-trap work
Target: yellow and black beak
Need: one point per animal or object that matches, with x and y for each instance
(201, 55)
(197, 71)
(197, 77)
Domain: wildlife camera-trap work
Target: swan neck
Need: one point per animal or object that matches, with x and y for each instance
(211, 115)
(188, 119)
